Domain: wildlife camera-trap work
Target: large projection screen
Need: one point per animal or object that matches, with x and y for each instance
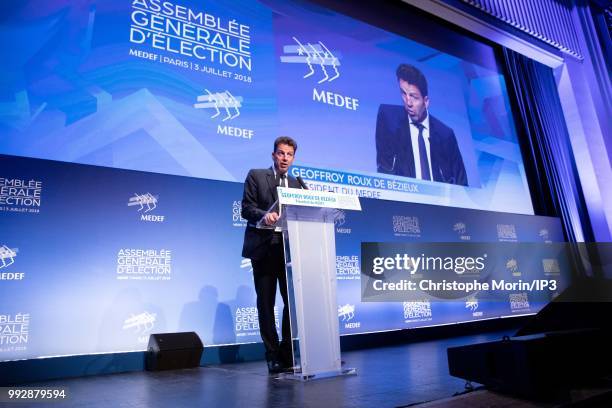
(202, 89)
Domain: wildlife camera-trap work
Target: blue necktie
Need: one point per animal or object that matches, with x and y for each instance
(425, 174)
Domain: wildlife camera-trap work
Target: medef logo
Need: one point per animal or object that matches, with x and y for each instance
(18, 195)
(340, 221)
(417, 311)
(146, 203)
(346, 313)
(220, 101)
(321, 64)
(545, 235)
(506, 232)
(313, 55)
(142, 324)
(7, 258)
(512, 267)
(226, 107)
(472, 304)
(237, 220)
(461, 229)
(406, 226)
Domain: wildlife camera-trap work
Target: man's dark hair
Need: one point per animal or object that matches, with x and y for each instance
(413, 76)
(285, 140)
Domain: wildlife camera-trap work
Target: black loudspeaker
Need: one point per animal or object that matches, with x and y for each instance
(169, 351)
(586, 304)
(538, 365)
(567, 344)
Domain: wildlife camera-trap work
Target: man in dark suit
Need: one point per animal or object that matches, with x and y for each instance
(264, 246)
(412, 143)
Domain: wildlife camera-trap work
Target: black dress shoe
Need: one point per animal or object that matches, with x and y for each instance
(275, 367)
(287, 365)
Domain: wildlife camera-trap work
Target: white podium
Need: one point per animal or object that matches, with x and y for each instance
(307, 220)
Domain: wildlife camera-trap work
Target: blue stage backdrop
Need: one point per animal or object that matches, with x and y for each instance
(127, 127)
(201, 89)
(95, 259)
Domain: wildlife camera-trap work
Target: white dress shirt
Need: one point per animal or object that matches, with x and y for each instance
(283, 183)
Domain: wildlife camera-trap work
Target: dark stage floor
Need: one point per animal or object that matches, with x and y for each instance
(387, 377)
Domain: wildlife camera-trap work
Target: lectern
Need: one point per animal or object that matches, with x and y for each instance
(307, 220)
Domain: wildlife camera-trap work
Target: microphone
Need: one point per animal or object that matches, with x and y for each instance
(450, 180)
(383, 169)
(299, 179)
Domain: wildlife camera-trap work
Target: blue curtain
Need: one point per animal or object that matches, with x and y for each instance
(540, 110)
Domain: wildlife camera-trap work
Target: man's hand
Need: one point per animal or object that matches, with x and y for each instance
(271, 218)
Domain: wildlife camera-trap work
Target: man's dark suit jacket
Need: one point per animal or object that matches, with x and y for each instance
(259, 195)
(394, 147)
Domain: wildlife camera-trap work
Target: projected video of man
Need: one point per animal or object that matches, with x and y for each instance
(410, 141)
